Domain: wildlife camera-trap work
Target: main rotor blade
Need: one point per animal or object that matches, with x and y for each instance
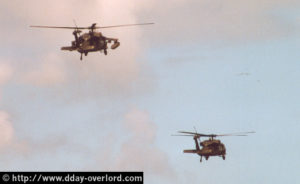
(97, 27)
(230, 135)
(124, 25)
(193, 133)
(237, 134)
(57, 27)
(217, 135)
(180, 135)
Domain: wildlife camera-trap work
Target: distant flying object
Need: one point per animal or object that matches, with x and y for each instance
(244, 74)
(210, 147)
(92, 41)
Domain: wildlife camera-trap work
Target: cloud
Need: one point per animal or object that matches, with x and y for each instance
(139, 124)
(140, 152)
(31, 148)
(50, 72)
(137, 152)
(6, 72)
(6, 130)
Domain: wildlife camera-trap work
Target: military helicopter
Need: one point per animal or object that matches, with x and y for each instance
(210, 147)
(92, 41)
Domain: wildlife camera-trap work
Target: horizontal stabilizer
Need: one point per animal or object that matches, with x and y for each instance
(68, 48)
(189, 151)
(115, 45)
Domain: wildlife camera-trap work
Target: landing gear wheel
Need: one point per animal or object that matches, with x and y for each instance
(105, 52)
(206, 158)
(223, 156)
(81, 56)
(201, 159)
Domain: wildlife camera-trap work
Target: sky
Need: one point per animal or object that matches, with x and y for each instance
(219, 66)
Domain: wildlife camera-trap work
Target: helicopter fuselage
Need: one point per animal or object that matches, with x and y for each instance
(207, 148)
(212, 148)
(91, 42)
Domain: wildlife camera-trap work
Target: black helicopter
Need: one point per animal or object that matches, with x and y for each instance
(92, 41)
(210, 147)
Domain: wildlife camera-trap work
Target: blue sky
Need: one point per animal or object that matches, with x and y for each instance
(219, 66)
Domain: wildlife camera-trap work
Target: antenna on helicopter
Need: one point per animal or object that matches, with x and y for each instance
(76, 27)
(195, 129)
(197, 137)
(76, 33)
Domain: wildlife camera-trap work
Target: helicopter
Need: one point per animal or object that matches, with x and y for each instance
(210, 147)
(91, 41)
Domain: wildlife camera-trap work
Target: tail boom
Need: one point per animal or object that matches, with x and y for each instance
(190, 151)
(68, 48)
